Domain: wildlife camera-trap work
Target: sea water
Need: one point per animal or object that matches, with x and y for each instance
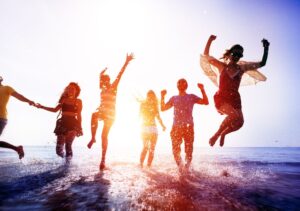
(219, 179)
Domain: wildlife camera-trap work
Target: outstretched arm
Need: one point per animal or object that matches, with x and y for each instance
(55, 109)
(164, 106)
(204, 100)
(212, 60)
(22, 98)
(128, 59)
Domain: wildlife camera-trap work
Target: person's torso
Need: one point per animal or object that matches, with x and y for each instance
(148, 114)
(108, 99)
(228, 84)
(69, 107)
(183, 109)
(5, 92)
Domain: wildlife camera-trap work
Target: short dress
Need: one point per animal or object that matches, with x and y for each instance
(228, 87)
(67, 123)
(228, 90)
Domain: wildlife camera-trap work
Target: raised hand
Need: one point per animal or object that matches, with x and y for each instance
(163, 93)
(129, 57)
(265, 43)
(212, 37)
(200, 86)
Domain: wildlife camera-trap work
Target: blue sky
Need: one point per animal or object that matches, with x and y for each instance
(46, 44)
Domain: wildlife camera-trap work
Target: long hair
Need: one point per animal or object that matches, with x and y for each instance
(227, 53)
(65, 94)
(149, 107)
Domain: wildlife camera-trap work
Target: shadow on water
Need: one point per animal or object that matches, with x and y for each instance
(82, 195)
(189, 191)
(28, 183)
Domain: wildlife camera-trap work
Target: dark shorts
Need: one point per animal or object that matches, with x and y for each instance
(3, 122)
(231, 98)
(65, 124)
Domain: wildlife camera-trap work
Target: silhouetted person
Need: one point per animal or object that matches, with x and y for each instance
(5, 93)
(149, 111)
(227, 99)
(106, 110)
(68, 126)
(183, 123)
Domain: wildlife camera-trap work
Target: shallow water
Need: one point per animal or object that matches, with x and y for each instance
(220, 179)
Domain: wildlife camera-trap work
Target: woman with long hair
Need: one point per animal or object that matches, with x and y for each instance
(149, 111)
(68, 126)
(227, 98)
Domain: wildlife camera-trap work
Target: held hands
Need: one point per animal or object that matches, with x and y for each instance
(38, 105)
(129, 57)
(266, 43)
(31, 103)
(163, 93)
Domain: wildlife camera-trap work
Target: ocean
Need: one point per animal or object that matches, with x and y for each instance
(220, 179)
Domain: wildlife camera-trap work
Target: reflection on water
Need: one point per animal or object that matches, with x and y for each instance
(231, 179)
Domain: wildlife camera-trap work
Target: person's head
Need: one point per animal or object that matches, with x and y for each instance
(149, 106)
(182, 85)
(151, 97)
(71, 91)
(104, 81)
(234, 53)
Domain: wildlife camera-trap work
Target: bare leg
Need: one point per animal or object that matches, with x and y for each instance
(68, 146)
(143, 155)
(94, 126)
(105, 132)
(153, 141)
(18, 149)
(235, 125)
(232, 116)
(60, 145)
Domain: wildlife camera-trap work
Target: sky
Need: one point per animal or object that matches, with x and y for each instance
(46, 44)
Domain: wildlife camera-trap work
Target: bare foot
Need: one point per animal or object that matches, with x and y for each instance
(213, 140)
(20, 152)
(90, 144)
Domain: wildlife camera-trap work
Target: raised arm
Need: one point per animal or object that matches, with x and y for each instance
(266, 45)
(212, 60)
(164, 106)
(22, 98)
(255, 65)
(103, 71)
(128, 59)
(204, 100)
